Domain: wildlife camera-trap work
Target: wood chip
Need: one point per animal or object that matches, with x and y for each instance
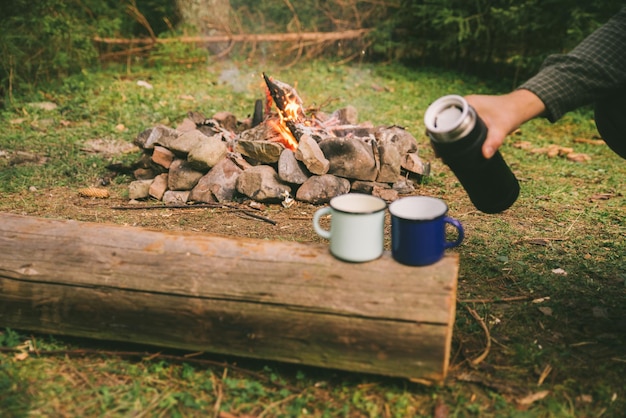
(533, 397)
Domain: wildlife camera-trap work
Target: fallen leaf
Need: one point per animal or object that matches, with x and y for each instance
(145, 84)
(565, 150)
(601, 196)
(533, 397)
(21, 356)
(578, 157)
(589, 141)
(523, 145)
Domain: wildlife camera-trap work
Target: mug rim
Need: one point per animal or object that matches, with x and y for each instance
(381, 205)
(402, 207)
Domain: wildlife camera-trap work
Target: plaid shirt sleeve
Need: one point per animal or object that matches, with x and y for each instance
(594, 69)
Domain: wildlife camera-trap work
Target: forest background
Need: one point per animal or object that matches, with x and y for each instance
(497, 39)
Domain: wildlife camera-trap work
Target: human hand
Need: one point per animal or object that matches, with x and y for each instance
(504, 114)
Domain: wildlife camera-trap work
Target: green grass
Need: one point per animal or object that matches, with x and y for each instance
(557, 223)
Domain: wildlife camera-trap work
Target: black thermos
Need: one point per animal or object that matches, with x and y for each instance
(457, 134)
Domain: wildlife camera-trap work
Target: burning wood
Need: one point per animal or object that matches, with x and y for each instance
(290, 110)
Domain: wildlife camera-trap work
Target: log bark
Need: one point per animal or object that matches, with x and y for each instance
(274, 300)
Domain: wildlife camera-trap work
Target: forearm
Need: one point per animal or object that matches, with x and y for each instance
(595, 69)
(504, 114)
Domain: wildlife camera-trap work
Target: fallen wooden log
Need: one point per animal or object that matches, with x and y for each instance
(274, 300)
(244, 37)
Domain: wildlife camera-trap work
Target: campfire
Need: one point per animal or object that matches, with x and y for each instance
(283, 153)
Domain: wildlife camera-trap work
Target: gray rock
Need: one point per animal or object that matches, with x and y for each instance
(184, 143)
(139, 189)
(404, 186)
(347, 115)
(366, 187)
(385, 193)
(204, 155)
(412, 162)
(261, 183)
(350, 158)
(400, 137)
(151, 136)
(226, 120)
(262, 151)
(175, 197)
(182, 176)
(389, 162)
(291, 170)
(320, 189)
(159, 186)
(219, 184)
(311, 155)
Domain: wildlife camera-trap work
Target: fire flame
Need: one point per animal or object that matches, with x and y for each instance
(289, 115)
(286, 137)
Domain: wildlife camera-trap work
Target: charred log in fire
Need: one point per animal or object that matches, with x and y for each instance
(290, 110)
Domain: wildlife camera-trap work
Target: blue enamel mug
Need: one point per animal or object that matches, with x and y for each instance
(418, 230)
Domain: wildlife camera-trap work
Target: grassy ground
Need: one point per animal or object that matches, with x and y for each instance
(546, 279)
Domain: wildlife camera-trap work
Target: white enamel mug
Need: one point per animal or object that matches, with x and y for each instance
(356, 226)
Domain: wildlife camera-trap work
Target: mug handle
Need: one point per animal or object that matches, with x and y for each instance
(459, 228)
(324, 233)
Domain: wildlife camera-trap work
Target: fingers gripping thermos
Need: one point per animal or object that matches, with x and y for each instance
(457, 134)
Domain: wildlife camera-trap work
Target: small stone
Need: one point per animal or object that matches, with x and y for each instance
(404, 186)
(158, 186)
(175, 197)
(207, 153)
(385, 193)
(320, 189)
(291, 170)
(262, 184)
(182, 176)
(162, 156)
(219, 184)
(311, 155)
(398, 136)
(182, 144)
(390, 163)
(186, 125)
(139, 189)
(266, 152)
(226, 120)
(366, 187)
(347, 115)
(149, 137)
(350, 158)
(411, 162)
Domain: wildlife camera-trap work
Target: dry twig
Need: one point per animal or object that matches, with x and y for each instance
(247, 212)
(482, 324)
